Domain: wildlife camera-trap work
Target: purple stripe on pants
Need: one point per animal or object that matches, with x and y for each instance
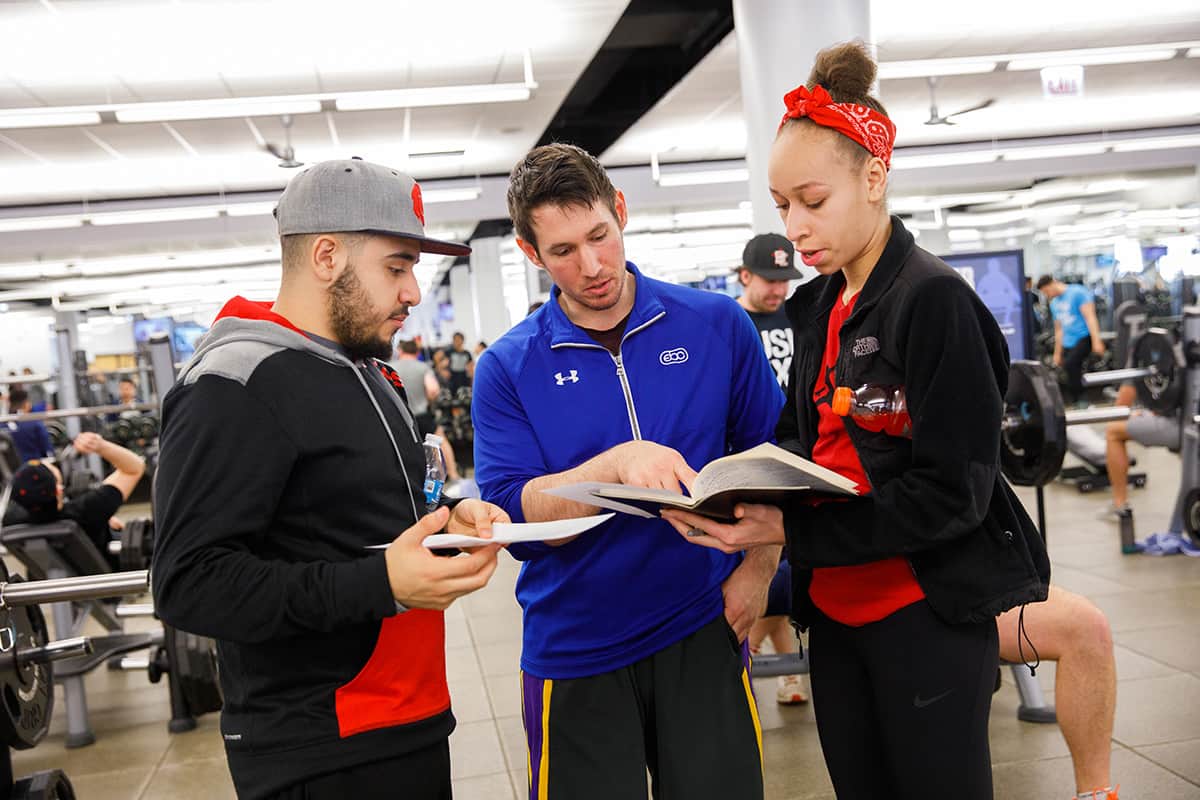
(531, 715)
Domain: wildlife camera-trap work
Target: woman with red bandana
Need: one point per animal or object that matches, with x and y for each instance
(899, 587)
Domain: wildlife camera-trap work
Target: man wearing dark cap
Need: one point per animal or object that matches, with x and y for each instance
(288, 457)
(768, 263)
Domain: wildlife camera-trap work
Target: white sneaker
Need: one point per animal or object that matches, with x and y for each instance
(1111, 513)
(790, 691)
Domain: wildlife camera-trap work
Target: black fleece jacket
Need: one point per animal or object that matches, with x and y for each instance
(937, 499)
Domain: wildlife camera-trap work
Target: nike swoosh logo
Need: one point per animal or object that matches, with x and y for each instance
(919, 703)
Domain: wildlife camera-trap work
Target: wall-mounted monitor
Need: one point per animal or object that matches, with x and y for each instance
(999, 280)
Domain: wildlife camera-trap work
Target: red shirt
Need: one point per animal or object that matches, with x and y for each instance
(865, 592)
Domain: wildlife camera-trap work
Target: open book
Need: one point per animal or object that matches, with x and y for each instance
(763, 474)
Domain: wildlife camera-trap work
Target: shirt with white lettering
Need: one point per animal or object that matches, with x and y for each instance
(778, 341)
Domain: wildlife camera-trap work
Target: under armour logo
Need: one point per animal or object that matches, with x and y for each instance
(571, 377)
(676, 356)
(781, 257)
(865, 346)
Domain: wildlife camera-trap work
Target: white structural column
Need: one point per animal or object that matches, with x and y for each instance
(488, 288)
(462, 299)
(777, 42)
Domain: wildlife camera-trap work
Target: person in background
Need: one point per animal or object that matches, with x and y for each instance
(420, 389)
(460, 363)
(127, 392)
(768, 264)
(38, 496)
(1076, 330)
(37, 391)
(30, 437)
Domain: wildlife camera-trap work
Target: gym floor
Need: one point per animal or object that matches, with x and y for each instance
(1152, 603)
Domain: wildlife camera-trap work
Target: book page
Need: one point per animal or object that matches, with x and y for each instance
(768, 467)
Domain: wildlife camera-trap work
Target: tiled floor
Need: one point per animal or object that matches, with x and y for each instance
(1153, 604)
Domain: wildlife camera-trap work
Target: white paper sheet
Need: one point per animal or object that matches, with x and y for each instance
(519, 532)
(516, 532)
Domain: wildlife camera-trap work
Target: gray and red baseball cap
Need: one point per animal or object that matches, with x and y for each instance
(353, 195)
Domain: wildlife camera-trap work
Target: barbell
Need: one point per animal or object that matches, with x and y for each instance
(26, 652)
(1157, 366)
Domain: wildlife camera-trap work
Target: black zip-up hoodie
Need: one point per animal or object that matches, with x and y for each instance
(937, 499)
(281, 462)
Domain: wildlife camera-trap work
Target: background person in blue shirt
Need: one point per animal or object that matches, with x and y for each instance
(30, 437)
(634, 653)
(1076, 330)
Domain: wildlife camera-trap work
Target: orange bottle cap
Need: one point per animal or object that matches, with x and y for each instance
(843, 396)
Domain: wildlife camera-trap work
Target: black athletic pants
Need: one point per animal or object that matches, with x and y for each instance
(420, 775)
(1073, 365)
(686, 713)
(902, 705)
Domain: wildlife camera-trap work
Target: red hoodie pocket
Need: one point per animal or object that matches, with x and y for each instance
(403, 681)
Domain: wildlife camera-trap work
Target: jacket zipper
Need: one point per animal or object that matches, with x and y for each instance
(622, 376)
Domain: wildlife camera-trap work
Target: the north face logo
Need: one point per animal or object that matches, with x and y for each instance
(570, 377)
(865, 346)
(781, 257)
(676, 356)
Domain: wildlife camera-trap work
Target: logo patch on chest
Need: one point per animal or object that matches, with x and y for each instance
(676, 356)
(570, 377)
(865, 346)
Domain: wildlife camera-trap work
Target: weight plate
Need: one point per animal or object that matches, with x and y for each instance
(1160, 391)
(1191, 514)
(26, 690)
(1033, 440)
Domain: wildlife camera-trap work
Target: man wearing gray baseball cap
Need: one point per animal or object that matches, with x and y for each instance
(288, 464)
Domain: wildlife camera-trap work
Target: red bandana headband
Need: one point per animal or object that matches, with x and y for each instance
(864, 125)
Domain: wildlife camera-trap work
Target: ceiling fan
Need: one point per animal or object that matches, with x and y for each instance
(285, 154)
(935, 119)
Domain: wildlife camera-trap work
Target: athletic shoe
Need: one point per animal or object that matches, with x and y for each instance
(790, 691)
(1111, 513)
(1099, 794)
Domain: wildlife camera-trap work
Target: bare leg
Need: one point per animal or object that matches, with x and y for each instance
(1117, 462)
(448, 456)
(1068, 629)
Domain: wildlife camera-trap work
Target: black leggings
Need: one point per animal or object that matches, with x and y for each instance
(902, 705)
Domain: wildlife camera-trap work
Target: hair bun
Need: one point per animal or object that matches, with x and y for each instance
(846, 71)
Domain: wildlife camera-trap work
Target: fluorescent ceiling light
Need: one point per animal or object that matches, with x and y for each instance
(434, 96)
(973, 65)
(143, 215)
(48, 118)
(934, 67)
(1156, 143)
(451, 195)
(1091, 57)
(902, 162)
(964, 235)
(250, 209)
(1056, 151)
(1006, 233)
(39, 223)
(217, 109)
(703, 177)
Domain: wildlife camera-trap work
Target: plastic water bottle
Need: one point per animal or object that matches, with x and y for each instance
(435, 471)
(875, 408)
(1128, 546)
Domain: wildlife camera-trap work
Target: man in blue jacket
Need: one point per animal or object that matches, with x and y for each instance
(634, 652)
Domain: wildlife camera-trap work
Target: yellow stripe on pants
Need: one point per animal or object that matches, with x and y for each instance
(544, 766)
(753, 715)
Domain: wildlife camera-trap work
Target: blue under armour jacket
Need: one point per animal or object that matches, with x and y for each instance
(691, 375)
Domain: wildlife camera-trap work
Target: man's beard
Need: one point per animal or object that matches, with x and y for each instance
(351, 320)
